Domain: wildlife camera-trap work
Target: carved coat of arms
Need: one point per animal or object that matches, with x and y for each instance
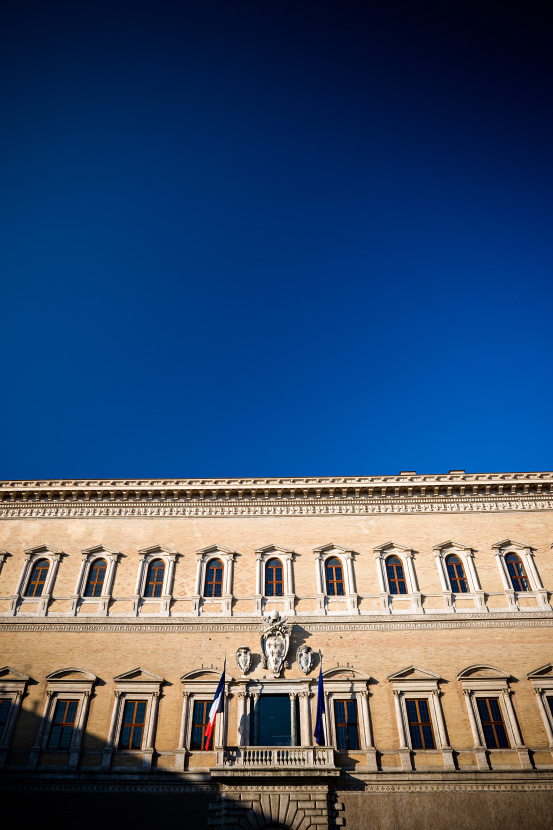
(304, 658)
(275, 641)
(244, 659)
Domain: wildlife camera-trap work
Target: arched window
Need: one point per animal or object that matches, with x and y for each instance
(334, 577)
(154, 578)
(516, 572)
(96, 576)
(37, 579)
(214, 579)
(396, 576)
(274, 584)
(457, 576)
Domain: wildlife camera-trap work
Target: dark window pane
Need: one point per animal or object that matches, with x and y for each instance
(502, 739)
(154, 579)
(4, 709)
(428, 736)
(416, 737)
(95, 580)
(412, 714)
(341, 737)
(423, 711)
(37, 579)
(340, 711)
(353, 737)
(200, 719)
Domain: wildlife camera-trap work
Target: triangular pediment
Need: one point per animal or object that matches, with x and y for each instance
(451, 544)
(330, 547)
(510, 543)
(139, 674)
(482, 672)
(99, 549)
(414, 673)
(273, 549)
(153, 549)
(213, 549)
(7, 673)
(71, 674)
(42, 549)
(392, 546)
(544, 672)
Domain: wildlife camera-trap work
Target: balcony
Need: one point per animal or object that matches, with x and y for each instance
(271, 761)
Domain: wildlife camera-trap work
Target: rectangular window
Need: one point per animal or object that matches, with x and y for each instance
(4, 709)
(132, 728)
(347, 727)
(200, 719)
(491, 719)
(63, 724)
(420, 725)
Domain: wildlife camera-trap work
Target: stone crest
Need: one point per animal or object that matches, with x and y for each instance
(244, 659)
(275, 642)
(304, 658)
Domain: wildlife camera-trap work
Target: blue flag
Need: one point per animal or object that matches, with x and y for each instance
(319, 726)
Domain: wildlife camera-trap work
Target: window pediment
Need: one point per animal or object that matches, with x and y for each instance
(269, 550)
(214, 550)
(543, 673)
(72, 674)
(344, 673)
(9, 675)
(445, 546)
(414, 673)
(510, 543)
(157, 549)
(482, 672)
(139, 675)
(44, 549)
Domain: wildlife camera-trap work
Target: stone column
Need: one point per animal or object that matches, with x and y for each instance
(327, 721)
(441, 571)
(305, 719)
(479, 751)
(320, 589)
(258, 586)
(523, 753)
(78, 733)
(404, 751)
(368, 736)
(109, 747)
(256, 718)
(352, 595)
(293, 722)
(180, 753)
(241, 718)
(447, 752)
(46, 715)
(545, 716)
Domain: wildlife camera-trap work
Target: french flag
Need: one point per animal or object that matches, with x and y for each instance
(216, 707)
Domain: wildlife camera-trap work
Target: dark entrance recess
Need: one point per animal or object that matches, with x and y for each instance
(272, 721)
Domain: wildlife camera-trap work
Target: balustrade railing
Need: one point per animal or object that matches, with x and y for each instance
(276, 757)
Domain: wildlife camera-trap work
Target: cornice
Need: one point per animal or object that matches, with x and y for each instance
(454, 492)
(157, 625)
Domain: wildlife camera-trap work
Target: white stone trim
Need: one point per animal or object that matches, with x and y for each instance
(381, 553)
(325, 603)
(138, 684)
(61, 687)
(88, 557)
(200, 685)
(488, 681)
(354, 686)
(286, 557)
(542, 686)
(525, 552)
(13, 686)
(33, 555)
(139, 601)
(466, 555)
(201, 603)
(417, 684)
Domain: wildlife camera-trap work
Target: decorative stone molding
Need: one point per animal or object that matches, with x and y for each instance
(33, 555)
(146, 556)
(413, 682)
(542, 685)
(501, 549)
(381, 553)
(137, 684)
(350, 598)
(466, 555)
(263, 807)
(262, 556)
(483, 681)
(88, 557)
(205, 555)
(348, 683)
(356, 495)
(67, 684)
(13, 685)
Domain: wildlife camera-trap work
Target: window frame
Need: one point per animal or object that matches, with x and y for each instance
(88, 558)
(138, 685)
(200, 685)
(64, 684)
(142, 603)
(413, 595)
(201, 604)
(347, 603)
(541, 680)
(209, 564)
(466, 555)
(276, 582)
(526, 555)
(414, 683)
(336, 700)
(286, 602)
(348, 683)
(19, 598)
(13, 687)
(485, 681)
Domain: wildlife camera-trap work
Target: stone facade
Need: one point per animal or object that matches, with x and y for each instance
(382, 648)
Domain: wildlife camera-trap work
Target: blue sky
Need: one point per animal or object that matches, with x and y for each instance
(275, 239)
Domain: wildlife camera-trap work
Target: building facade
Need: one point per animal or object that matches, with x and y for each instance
(424, 600)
